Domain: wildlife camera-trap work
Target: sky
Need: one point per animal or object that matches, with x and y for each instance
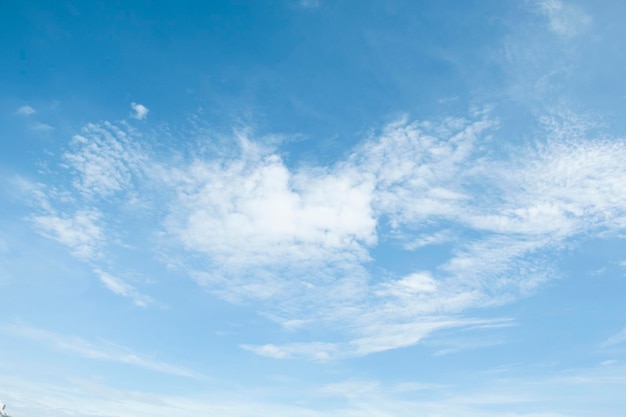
(307, 208)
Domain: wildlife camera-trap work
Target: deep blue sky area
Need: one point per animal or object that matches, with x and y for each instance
(254, 60)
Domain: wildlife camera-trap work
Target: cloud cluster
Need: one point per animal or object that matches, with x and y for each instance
(103, 159)
(102, 164)
(300, 240)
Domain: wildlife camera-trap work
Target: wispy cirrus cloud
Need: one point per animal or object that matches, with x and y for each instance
(419, 167)
(100, 350)
(565, 19)
(615, 340)
(103, 163)
(124, 289)
(509, 396)
(377, 331)
(80, 231)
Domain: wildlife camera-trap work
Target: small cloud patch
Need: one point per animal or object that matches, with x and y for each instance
(42, 127)
(140, 111)
(26, 111)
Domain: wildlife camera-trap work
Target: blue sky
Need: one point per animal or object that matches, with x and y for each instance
(313, 208)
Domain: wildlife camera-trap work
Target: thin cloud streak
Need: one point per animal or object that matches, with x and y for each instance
(122, 288)
(80, 231)
(532, 397)
(26, 110)
(103, 350)
(615, 340)
(566, 20)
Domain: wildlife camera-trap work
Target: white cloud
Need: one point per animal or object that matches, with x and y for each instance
(102, 162)
(258, 212)
(617, 339)
(122, 288)
(140, 111)
(104, 159)
(318, 351)
(41, 127)
(426, 240)
(81, 231)
(247, 226)
(253, 215)
(269, 351)
(384, 328)
(26, 111)
(102, 350)
(569, 185)
(563, 188)
(419, 168)
(411, 285)
(566, 20)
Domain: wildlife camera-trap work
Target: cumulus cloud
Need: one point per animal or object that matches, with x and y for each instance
(140, 112)
(257, 211)
(251, 215)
